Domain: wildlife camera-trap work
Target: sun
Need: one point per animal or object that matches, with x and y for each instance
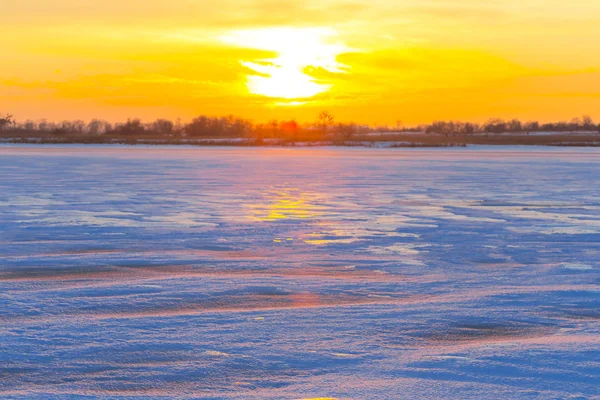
(296, 49)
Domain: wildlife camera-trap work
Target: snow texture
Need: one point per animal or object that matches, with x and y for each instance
(263, 273)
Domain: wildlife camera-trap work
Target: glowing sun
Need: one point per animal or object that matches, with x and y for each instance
(296, 49)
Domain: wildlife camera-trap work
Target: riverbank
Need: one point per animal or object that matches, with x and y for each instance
(395, 140)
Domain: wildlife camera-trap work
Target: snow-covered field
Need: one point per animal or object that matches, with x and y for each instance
(299, 273)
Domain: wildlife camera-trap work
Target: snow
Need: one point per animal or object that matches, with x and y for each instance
(269, 273)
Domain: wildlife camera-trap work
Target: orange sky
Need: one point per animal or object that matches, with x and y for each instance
(368, 61)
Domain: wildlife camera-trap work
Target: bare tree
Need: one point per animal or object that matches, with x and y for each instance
(588, 123)
(132, 127)
(325, 120)
(29, 125)
(44, 126)
(273, 127)
(178, 127)
(95, 127)
(163, 127)
(78, 126)
(347, 130)
(6, 121)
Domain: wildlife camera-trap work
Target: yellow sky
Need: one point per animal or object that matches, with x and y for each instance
(368, 61)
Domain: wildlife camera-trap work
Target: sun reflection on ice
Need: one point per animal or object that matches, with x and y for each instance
(286, 204)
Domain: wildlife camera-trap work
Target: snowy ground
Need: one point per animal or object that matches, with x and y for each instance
(299, 273)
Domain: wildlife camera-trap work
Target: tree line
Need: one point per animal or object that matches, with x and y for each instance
(235, 127)
(583, 124)
(201, 126)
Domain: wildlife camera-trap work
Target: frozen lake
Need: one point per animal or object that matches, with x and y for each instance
(299, 273)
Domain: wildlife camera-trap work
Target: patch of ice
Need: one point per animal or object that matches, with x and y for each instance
(577, 266)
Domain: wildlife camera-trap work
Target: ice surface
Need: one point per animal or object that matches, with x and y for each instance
(299, 273)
